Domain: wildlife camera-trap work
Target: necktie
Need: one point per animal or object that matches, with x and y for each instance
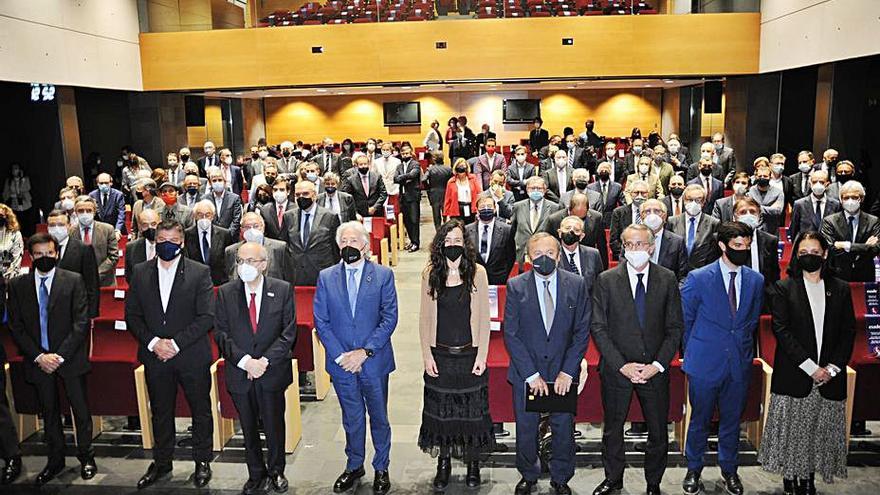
(252, 311)
(87, 235)
(804, 185)
(570, 158)
(708, 187)
(280, 213)
(104, 200)
(484, 243)
(604, 193)
(572, 264)
(640, 299)
(206, 248)
(549, 308)
(44, 314)
(306, 230)
(365, 181)
(731, 293)
(692, 232)
(817, 221)
(852, 229)
(677, 204)
(534, 220)
(151, 251)
(352, 290)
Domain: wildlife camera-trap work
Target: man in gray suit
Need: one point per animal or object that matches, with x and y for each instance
(530, 215)
(808, 212)
(611, 192)
(771, 199)
(517, 173)
(253, 229)
(226, 203)
(577, 258)
(310, 233)
(558, 177)
(100, 236)
(625, 215)
(327, 160)
(669, 251)
(338, 202)
(723, 208)
(581, 179)
(697, 228)
(724, 157)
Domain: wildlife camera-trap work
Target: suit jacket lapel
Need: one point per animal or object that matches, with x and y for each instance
(176, 286)
(57, 285)
(863, 224)
(366, 283)
(497, 239)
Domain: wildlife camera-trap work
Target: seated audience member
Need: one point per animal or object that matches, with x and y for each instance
(853, 236)
(577, 257)
(270, 173)
(517, 173)
(591, 228)
(488, 163)
(273, 213)
(171, 209)
(644, 173)
(206, 242)
(191, 191)
(771, 200)
(493, 239)
(100, 236)
(462, 191)
(610, 192)
(253, 229)
(530, 215)
(808, 212)
(111, 204)
(696, 228)
(626, 215)
(366, 187)
(580, 178)
(503, 198)
(712, 186)
(669, 250)
(147, 195)
(227, 204)
(723, 209)
(309, 232)
(764, 249)
(338, 202)
(144, 247)
(76, 257)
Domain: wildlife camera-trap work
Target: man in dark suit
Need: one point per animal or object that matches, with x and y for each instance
(517, 173)
(559, 177)
(231, 173)
(227, 205)
(206, 243)
(770, 198)
(853, 236)
(408, 176)
(489, 162)
(625, 215)
(9, 448)
(714, 187)
(253, 230)
(669, 249)
(696, 228)
(327, 160)
(592, 229)
(255, 330)
(482, 139)
(100, 236)
(618, 172)
(632, 158)
(111, 204)
(590, 141)
(707, 152)
(273, 213)
(49, 321)
(169, 309)
(546, 330)
(637, 325)
(437, 178)
(310, 234)
(209, 159)
(674, 201)
(74, 256)
(778, 179)
(538, 137)
(723, 209)
(144, 247)
(578, 157)
(808, 212)
(530, 215)
(800, 182)
(724, 157)
(576, 257)
(338, 202)
(367, 188)
(493, 239)
(611, 192)
(764, 249)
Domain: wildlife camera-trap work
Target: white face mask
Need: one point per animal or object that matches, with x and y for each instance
(609, 152)
(693, 208)
(386, 154)
(247, 273)
(203, 223)
(818, 188)
(706, 154)
(644, 169)
(740, 189)
(805, 167)
(653, 221)
(218, 186)
(561, 162)
(851, 206)
(228, 160)
(778, 169)
(637, 259)
(59, 233)
(253, 235)
(66, 204)
(371, 147)
(279, 196)
(263, 154)
(521, 158)
(673, 148)
(85, 219)
(749, 219)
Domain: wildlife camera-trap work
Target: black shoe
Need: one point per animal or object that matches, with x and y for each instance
(381, 483)
(560, 488)
(346, 480)
(788, 486)
(525, 487)
(472, 480)
(637, 430)
(202, 475)
(692, 483)
(652, 489)
(608, 486)
(732, 484)
(444, 468)
(154, 473)
(11, 471)
(278, 482)
(255, 487)
(88, 468)
(48, 473)
(808, 486)
(414, 248)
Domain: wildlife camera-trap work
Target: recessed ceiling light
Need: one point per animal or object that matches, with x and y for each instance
(341, 93)
(321, 90)
(668, 81)
(647, 85)
(406, 87)
(268, 96)
(571, 87)
(238, 92)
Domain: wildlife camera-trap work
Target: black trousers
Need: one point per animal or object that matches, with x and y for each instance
(47, 392)
(654, 399)
(411, 212)
(437, 213)
(267, 406)
(162, 382)
(8, 434)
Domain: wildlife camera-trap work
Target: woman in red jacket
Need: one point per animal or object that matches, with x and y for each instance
(462, 192)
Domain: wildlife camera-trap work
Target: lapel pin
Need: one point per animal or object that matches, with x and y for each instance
(270, 294)
(369, 278)
(827, 293)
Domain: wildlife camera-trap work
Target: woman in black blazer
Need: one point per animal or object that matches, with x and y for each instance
(813, 321)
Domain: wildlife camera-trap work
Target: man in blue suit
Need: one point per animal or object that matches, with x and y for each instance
(721, 303)
(111, 204)
(546, 327)
(355, 311)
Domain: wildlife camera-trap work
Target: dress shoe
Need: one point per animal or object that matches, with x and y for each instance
(525, 487)
(807, 486)
(444, 468)
(88, 469)
(255, 487)
(472, 480)
(608, 487)
(11, 471)
(381, 483)
(637, 430)
(202, 475)
(692, 483)
(346, 480)
(788, 486)
(560, 488)
(154, 473)
(278, 482)
(653, 489)
(732, 484)
(414, 248)
(48, 473)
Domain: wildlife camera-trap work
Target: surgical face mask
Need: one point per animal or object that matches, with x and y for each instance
(653, 221)
(673, 148)
(637, 259)
(570, 144)
(253, 235)
(66, 204)
(705, 154)
(749, 219)
(521, 158)
(818, 188)
(285, 153)
(104, 188)
(644, 169)
(228, 160)
(638, 201)
(719, 146)
(203, 223)
(536, 195)
(263, 154)
(386, 154)
(693, 208)
(247, 273)
(610, 152)
(778, 169)
(371, 147)
(851, 206)
(58, 232)
(739, 189)
(810, 262)
(637, 149)
(85, 219)
(312, 177)
(805, 167)
(561, 162)
(218, 186)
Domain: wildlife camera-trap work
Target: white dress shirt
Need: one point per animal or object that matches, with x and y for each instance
(62, 248)
(258, 300)
(50, 277)
(658, 240)
(816, 296)
(756, 260)
(166, 282)
(150, 247)
(562, 180)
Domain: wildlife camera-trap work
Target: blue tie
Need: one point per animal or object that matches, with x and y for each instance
(852, 229)
(352, 289)
(640, 300)
(692, 232)
(44, 314)
(306, 231)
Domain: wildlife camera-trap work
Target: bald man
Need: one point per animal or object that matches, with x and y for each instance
(111, 204)
(310, 233)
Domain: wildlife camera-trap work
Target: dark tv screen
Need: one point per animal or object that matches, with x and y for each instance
(520, 111)
(402, 113)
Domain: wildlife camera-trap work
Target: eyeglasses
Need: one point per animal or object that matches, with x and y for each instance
(637, 246)
(249, 261)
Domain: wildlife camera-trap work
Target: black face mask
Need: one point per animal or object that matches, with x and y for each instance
(192, 191)
(676, 192)
(304, 203)
(544, 265)
(487, 214)
(262, 199)
(270, 180)
(139, 195)
(149, 234)
(364, 171)
(738, 257)
(350, 254)
(255, 156)
(286, 153)
(460, 170)
(843, 178)
(184, 158)
(581, 184)
(706, 172)
(453, 253)
(570, 237)
(810, 262)
(604, 175)
(45, 264)
(762, 182)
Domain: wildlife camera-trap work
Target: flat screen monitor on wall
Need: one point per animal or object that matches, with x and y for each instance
(402, 113)
(521, 111)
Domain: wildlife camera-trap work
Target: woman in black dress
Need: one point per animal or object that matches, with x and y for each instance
(454, 334)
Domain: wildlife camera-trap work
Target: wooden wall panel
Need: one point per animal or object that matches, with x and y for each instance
(612, 46)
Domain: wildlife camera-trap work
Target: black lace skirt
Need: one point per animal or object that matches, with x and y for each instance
(455, 415)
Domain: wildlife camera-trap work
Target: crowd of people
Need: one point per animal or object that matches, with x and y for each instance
(684, 269)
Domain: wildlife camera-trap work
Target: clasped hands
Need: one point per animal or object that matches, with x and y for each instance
(49, 362)
(639, 373)
(431, 367)
(256, 367)
(164, 350)
(561, 385)
(352, 361)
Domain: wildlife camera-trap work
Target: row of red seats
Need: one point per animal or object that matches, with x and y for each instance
(355, 11)
(488, 9)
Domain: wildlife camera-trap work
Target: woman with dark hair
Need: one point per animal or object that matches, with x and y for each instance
(635, 134)
(451, 132)
(813, 321)
(454, 335)
(262, 197)
(462, 191)
(345, 163)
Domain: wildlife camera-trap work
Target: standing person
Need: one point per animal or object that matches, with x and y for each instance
(11, 244)
(100, 236)
(546, 330)
(806, 426)
(49, 321)
(169, 309)
(638, 339)
(337, 202)
(257, 350)
(111, 204)
(853, 236)
(11, 248)
(451, 131)
(718, 351)
(408, 177)
(17, 194)
(433, 142)
(206, 243)
(454, 336)
(355, 310)
(489, 162)
(309, 231)
(462, 191)
(438, 176)
(144, 247)
(576, 257)
(493, 240)
(366, 187)
(518, 172)
(538, 137)
(76, 257)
